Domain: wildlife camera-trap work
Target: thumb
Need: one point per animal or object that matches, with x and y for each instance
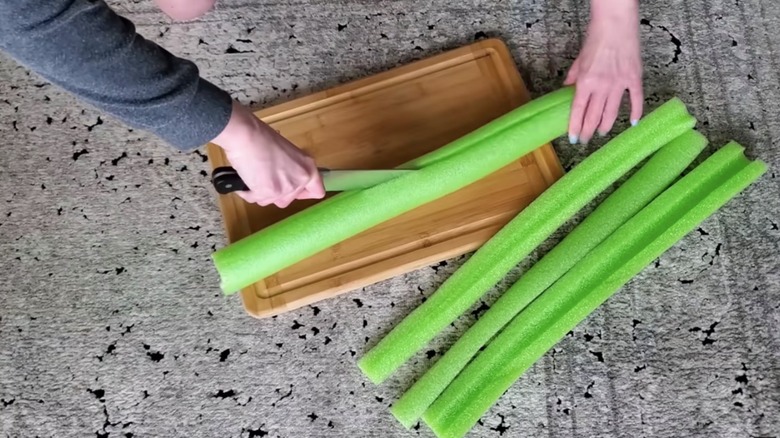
(314, 189)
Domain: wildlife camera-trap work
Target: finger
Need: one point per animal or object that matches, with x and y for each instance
(251, 198)
(637, 101)
(285, 200)
(571, 76)
(592, 116)
(306, 194)
(314, 189)
(611, 109)
(578, 106)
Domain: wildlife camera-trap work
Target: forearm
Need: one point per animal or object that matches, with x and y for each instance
(87, 49)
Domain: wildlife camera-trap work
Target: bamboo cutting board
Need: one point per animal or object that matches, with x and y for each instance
(381, 122)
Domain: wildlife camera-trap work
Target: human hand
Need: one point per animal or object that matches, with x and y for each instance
(275, 170)
(609, 63)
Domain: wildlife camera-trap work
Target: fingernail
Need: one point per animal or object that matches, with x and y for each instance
(601, 133)
(634, 122)
(572, 139)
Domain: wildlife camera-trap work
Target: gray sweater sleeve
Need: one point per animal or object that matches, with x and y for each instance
(89, 50)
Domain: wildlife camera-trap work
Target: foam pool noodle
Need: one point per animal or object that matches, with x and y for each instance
(523, 234)
(441, 172)
(642, 187)
(589, 283)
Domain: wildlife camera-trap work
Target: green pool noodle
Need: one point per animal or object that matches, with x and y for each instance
(624, 254)
(642, 187)
(562, 96)
(522, 234)
(598, 295)
(457, 165)
(596, 266)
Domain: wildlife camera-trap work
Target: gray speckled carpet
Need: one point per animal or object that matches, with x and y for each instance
(112, 324)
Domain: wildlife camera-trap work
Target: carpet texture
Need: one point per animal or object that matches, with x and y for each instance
(112, 323)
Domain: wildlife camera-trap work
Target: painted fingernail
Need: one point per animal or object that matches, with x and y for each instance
(572, 139)
(634, 122)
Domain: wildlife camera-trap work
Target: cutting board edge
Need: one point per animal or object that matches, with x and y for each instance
(261, 307)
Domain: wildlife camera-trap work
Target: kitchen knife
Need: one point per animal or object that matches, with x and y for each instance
(227, 180)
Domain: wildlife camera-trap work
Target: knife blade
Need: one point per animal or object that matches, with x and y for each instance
(227, 180)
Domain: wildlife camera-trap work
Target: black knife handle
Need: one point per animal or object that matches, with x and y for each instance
(227, 180)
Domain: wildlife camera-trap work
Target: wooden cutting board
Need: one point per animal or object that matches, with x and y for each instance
(381, 122)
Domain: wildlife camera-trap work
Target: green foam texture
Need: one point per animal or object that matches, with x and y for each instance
(562, 96)
(462, 162)
(643, 186)
(675, 213)
(523, 234)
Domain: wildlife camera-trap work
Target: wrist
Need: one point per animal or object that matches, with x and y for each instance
(241, 129)
(613, 12)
